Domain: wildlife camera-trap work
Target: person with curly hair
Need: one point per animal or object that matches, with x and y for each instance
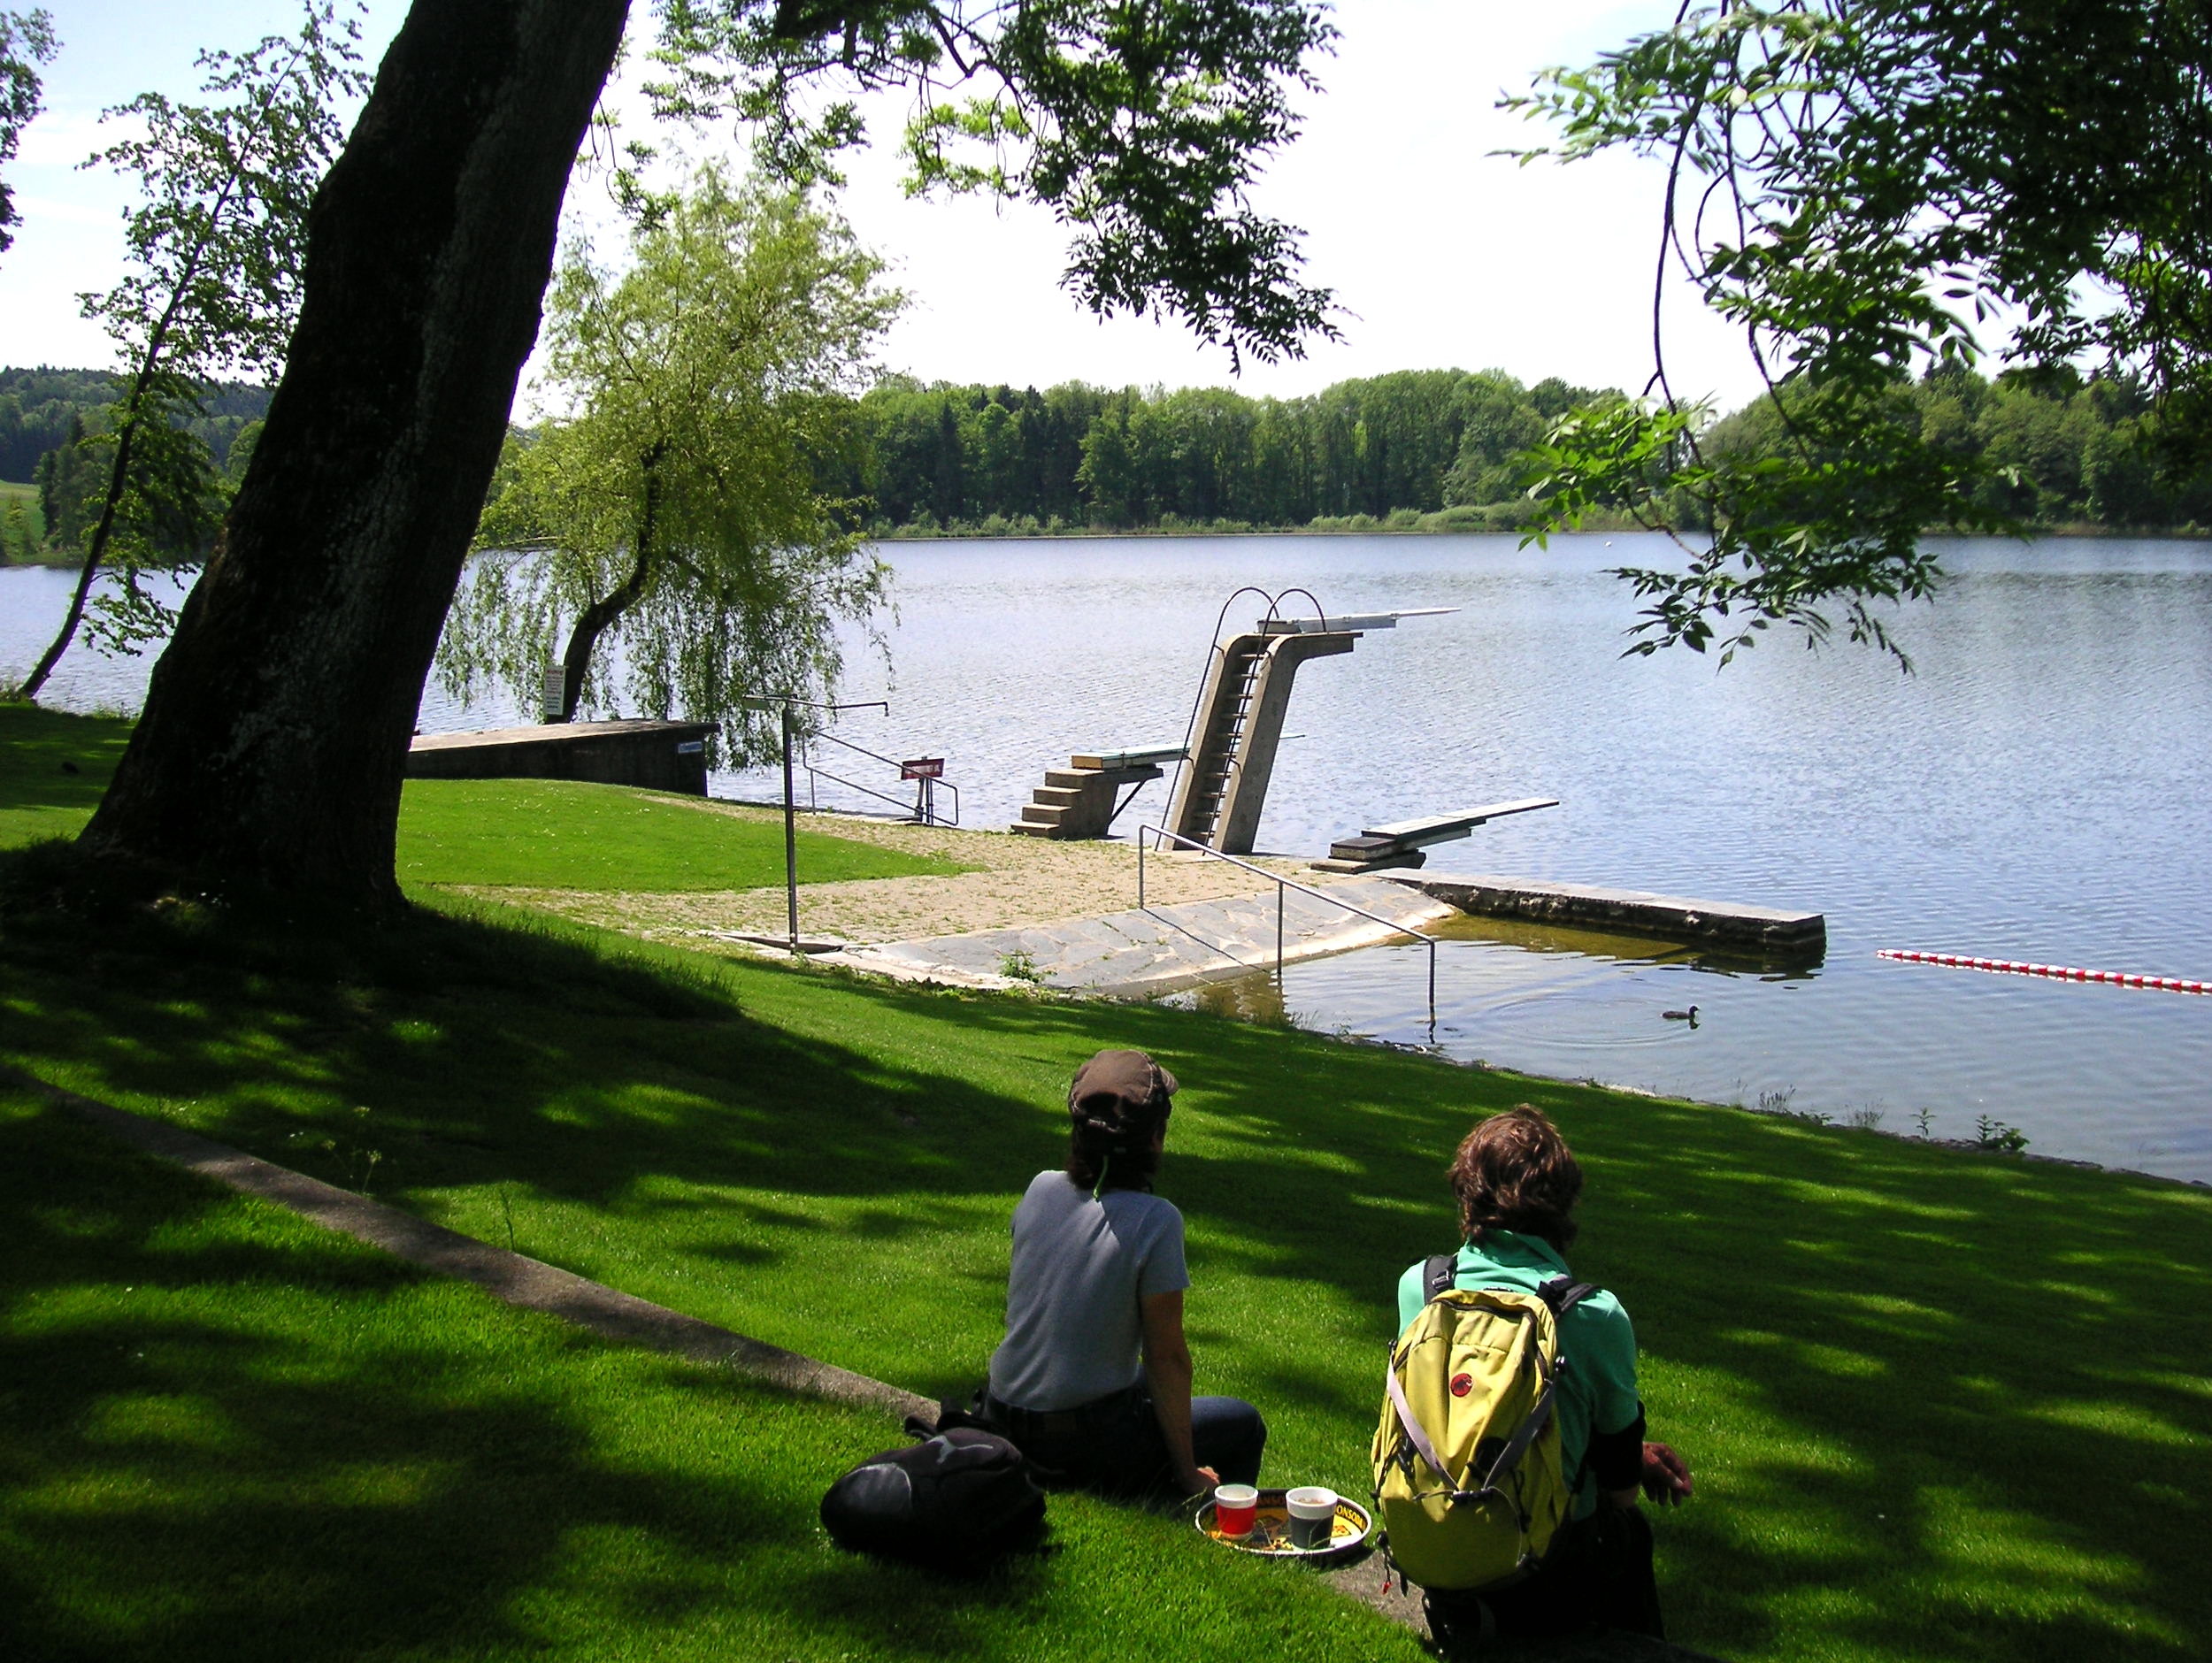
(1093, 1382)
(1517, 1184)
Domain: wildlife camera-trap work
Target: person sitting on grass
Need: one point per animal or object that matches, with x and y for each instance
(1517, 1184)
(1093, 1382)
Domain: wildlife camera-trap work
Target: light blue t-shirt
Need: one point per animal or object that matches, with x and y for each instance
(1081, 1263)
(1598, 1391)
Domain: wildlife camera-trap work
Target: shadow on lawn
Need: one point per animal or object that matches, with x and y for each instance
(1941, 1404)
(231, 1436)
(56, 761)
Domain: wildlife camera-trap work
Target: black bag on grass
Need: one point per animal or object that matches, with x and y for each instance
(956, 1501)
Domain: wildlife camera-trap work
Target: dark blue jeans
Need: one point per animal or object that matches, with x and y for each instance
(1114, 1444)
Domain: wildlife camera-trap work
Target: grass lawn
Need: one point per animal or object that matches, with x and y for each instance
(39, 796)
(561, 834)
(540, 833)
(1940, 1406)
(232, 1436)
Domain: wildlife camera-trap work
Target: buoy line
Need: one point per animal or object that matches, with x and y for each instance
(2056, 972)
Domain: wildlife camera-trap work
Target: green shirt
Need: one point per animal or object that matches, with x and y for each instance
(1598, 1390)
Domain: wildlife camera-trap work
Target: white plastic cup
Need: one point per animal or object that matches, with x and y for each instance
(1312, 1516)
(1236, 1510)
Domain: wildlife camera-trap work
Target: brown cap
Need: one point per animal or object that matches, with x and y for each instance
(1120, 1090)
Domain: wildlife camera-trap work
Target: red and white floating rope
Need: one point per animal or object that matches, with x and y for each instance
(2057, 972)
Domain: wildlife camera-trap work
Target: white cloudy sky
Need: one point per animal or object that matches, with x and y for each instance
(1443, 253)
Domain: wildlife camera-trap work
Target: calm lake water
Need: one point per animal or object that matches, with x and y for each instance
(2037, 790)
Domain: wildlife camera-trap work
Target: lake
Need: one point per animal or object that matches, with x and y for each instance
(2036, 790)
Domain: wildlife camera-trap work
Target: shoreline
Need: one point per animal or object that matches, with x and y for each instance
(2089, 531)
(1037, 882)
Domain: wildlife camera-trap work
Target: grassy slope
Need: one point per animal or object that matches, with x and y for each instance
(550, 834)
(234, 1436)
(1941, 1406)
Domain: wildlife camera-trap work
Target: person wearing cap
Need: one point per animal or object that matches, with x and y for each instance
(1093, 1382)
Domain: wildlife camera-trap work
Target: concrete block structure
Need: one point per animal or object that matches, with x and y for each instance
(656, 755)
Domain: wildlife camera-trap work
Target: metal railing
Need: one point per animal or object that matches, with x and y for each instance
(1282, 886)
(924, 808)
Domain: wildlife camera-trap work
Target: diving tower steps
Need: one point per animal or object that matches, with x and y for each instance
(1082, 799)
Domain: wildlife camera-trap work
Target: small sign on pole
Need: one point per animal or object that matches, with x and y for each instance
(923, 768)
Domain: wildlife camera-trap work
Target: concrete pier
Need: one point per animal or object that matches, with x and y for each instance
(1761, 930)
(656, 755)
(1158, 948)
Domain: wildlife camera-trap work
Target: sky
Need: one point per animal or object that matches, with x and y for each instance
(1442, 254)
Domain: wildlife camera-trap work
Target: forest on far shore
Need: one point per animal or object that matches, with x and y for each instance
(1416, 450)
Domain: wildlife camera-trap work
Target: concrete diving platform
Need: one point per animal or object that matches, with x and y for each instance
(656, 755)
(1406, 842)
(1765, 930)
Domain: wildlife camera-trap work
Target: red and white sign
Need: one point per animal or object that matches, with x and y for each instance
(923, 768)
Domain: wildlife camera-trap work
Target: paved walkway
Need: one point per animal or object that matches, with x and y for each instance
(1156, 948)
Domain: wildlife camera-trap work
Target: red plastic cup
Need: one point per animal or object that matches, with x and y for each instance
(1236, 1508)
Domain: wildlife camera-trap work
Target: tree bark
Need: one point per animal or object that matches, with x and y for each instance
(593, 621)
(274, 737)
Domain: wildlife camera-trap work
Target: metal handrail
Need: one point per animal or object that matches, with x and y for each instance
(931, 817)
(1282, 885)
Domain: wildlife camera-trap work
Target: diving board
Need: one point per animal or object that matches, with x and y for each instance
(1402, 842)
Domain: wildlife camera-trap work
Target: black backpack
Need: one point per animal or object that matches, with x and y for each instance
(956, 1501)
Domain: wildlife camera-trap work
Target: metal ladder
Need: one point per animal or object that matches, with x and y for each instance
(1219, 749)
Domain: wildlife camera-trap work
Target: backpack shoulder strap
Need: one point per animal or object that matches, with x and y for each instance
(1436, 1275)
(1563, 1293)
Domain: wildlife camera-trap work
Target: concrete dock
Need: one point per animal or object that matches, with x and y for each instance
(1156, 949)
(657, 755)
(1765, 930)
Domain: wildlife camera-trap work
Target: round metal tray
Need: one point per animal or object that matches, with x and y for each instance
(1270, 1529)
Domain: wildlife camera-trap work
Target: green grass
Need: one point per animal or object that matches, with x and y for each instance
(1940, 1406)
(560, 834)
(541, 833)
(32, 523)
(39, 796)
(234, 1436)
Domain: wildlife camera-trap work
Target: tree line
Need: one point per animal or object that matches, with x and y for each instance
(1430, 449)
(47, 417)
(39, 408)
(1418, 442)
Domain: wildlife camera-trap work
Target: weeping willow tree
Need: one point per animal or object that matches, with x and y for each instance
(677, 514)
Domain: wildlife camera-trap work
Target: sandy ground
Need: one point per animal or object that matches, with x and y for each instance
(1017, 881)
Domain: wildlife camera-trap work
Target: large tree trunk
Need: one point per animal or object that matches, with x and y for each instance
(275, 733)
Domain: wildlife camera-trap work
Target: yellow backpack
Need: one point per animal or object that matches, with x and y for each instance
(1467, 1474)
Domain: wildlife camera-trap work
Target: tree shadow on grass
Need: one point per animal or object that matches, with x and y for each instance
(51, 759)
(1941, 1404)
(232, 1436)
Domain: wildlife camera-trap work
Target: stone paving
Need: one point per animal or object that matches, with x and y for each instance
(1159, 948)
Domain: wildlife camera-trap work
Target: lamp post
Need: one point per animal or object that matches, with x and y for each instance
(787, 703)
